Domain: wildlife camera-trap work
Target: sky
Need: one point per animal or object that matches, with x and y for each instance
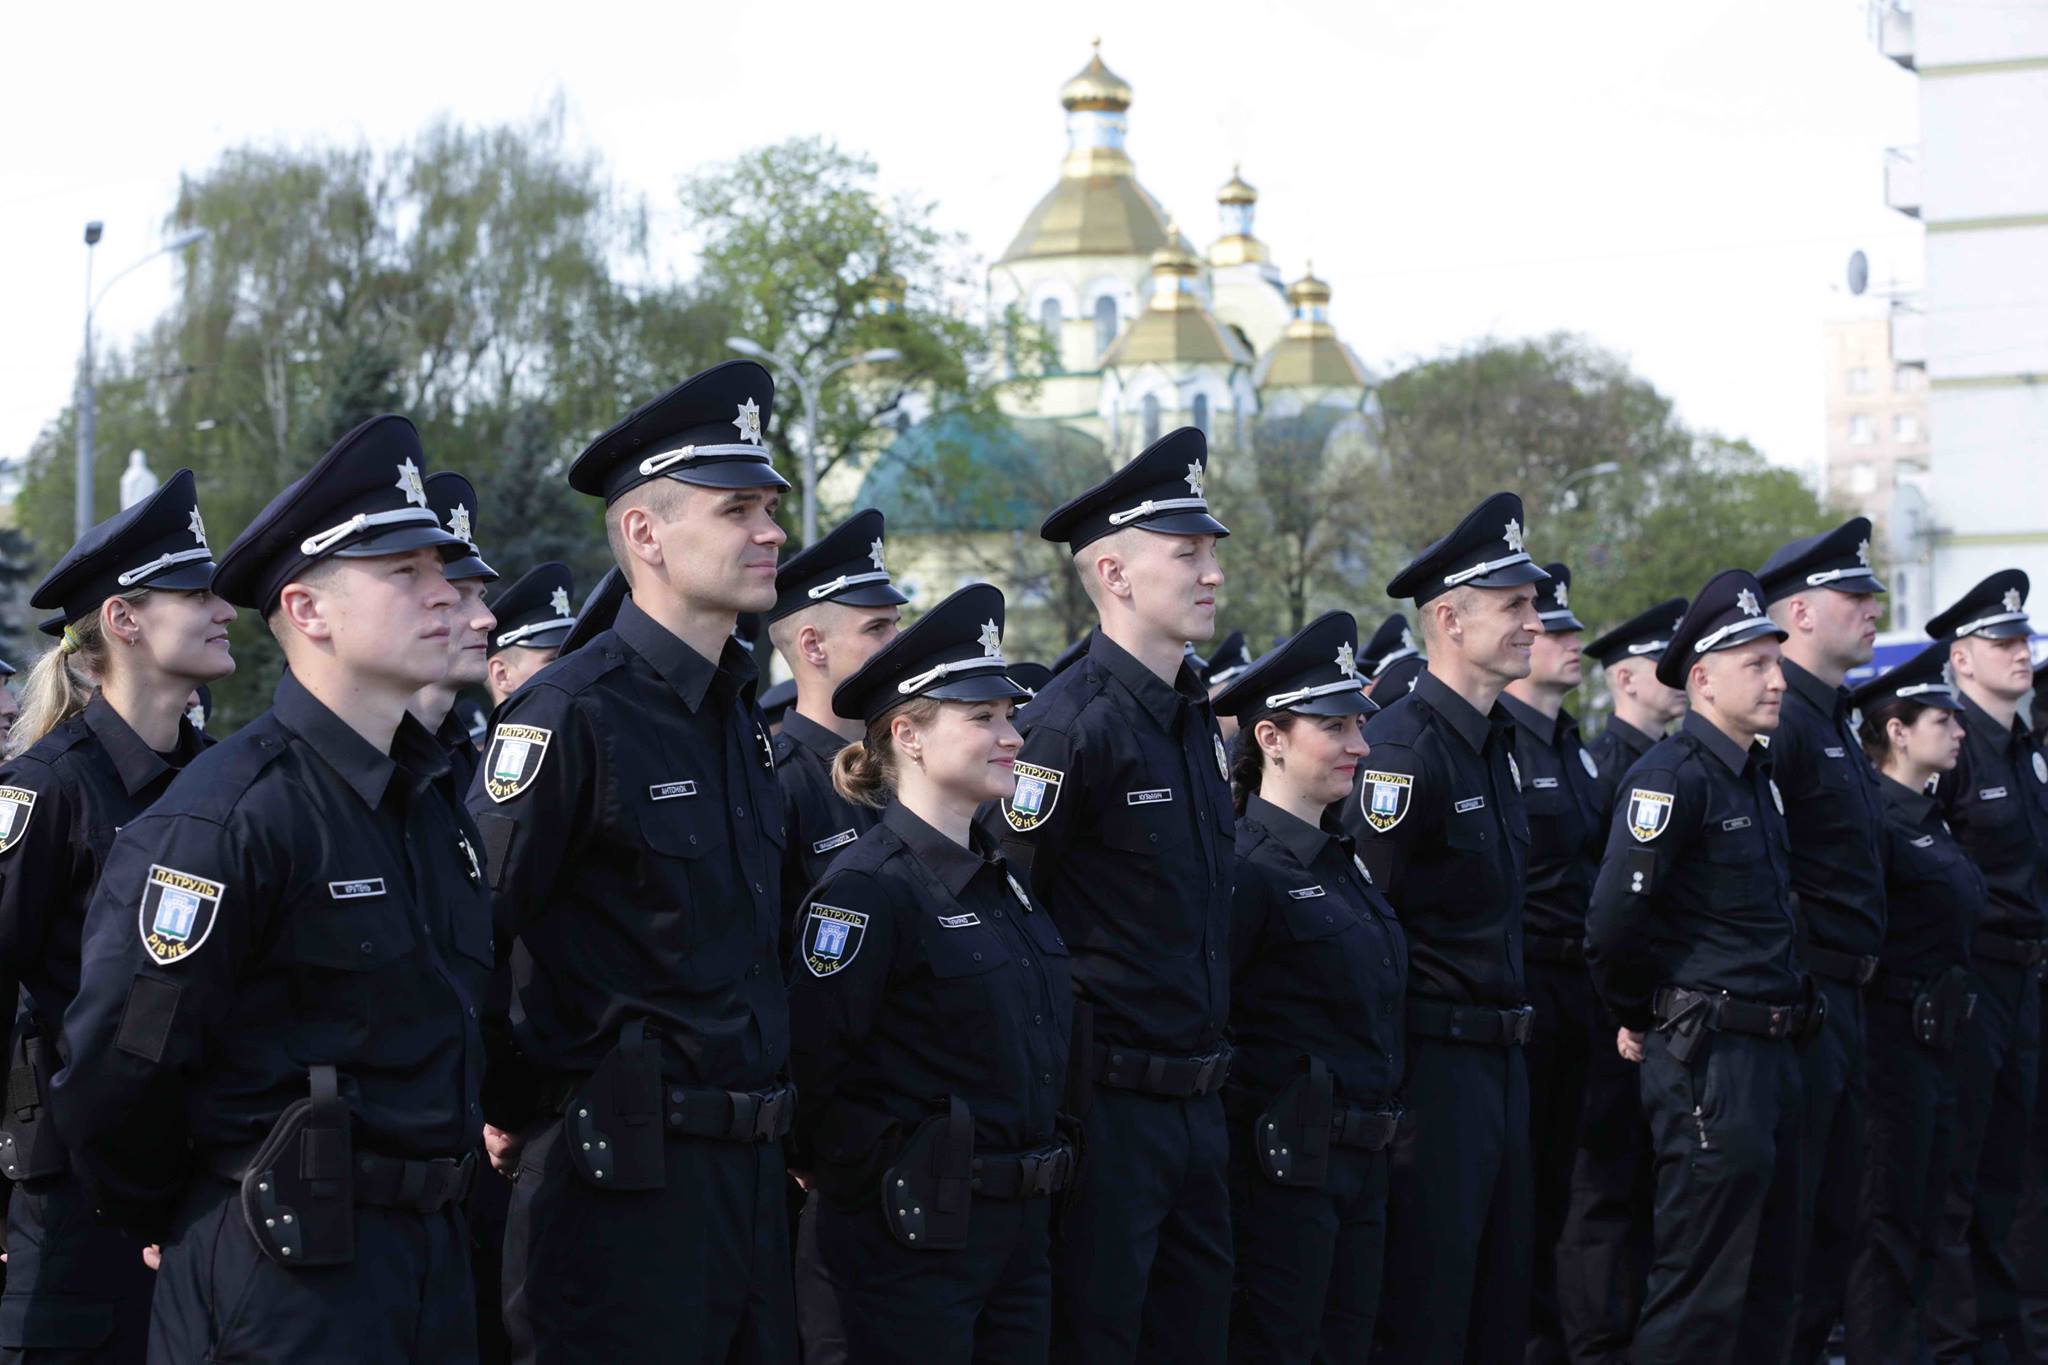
(1682, 184)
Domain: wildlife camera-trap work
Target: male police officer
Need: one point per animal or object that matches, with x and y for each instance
(1692, 943)
(1441, 826)
(1220, 670)
(1561, 788)
(1996, 804)
(1821, 592)
(453, 499)
(634, 829)
(1122, 818)
(275, 1057)
(1391, 661)
(534, 617)
(1607, 1228)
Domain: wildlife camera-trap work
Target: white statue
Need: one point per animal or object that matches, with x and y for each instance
(138, 481)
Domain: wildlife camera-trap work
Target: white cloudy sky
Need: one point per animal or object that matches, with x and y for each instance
(1680, 182)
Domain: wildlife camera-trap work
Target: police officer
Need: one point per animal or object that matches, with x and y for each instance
(1606, 1236)
(1560, 787)
(1122, 818)
(634, 829)
(929, 1008)
(834, 608)
(1916, 1005)
(1318, 973)
(104, 735)
(534, 617)
(453, 499)
(1219, 670)
(1391, 661)
(274, 1057)
(1996, 802)
(1441, 825)
(600, 608)
(1692, 943)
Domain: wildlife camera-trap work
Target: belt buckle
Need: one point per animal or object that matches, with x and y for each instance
(1205, 1073)
(746, 1115)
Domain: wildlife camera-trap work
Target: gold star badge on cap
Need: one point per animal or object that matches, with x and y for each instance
(198, 527)
(1512, 534)
(1746, 602)
(875, 554)
(749, 421)
(1195, 477)
(991, 640)
(410, 485)
(1347, 660)
(559, 600)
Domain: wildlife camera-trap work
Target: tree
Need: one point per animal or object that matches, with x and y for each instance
(1299, 537)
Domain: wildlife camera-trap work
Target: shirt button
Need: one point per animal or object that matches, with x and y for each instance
(472, 1011)
(1026, 961)
(1386, 962)
(1212, 954)
(1037, 1018)
(757, 889)
(740, 811)
(977, 957)
(1045, 1079)
(368, 947)
(999, 914)
(755, 970)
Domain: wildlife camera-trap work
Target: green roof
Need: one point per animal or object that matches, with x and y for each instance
(965, 472)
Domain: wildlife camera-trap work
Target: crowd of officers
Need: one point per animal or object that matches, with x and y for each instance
(1335, 1004)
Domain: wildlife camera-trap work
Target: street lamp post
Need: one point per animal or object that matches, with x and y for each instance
(82, 515)
(1591, 471)
(809, 387)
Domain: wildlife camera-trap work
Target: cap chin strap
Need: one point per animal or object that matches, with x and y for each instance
(1224, 675)
(1815, 580)
(513, 637)
(161, 562)
(1282, 700)
(321, 542)
(1484, 567)
(1563, 613)
(943, 671)
(668, 459)
(2002, 618)
(1708, 642)
(1152, 506)
(1649, 647)
(845, 581)
(1925, 689)
(1404, 652)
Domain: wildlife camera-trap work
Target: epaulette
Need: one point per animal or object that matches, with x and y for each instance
(217, 779)
(1397, 724)
(61, 739)
(572, 673)
(1063, 699)
(784, 748)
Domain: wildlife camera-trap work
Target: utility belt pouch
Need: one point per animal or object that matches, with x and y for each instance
(612, 1123)
(1940, 1010)
(1292, 1136)
(926, 1196)
(298, 1195)
(28, 1140)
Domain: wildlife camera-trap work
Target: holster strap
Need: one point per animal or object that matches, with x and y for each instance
(1369, 1130)
(1732, 1014)
(1562, 952)
(1845, 967)
(1152, 1073)
(1484, 1024)
(1027, 1175)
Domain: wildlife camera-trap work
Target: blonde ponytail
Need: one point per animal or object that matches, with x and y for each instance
(864, 772)
(62, 681)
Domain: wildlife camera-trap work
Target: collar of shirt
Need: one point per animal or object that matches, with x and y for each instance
(1630, 737)
(1980, 726)
(135, 763)
(1915, 806)
(680, 666)
(1305, 841)
(1732, 755)
(452, 732)
(1832, 702)
(1546, 729)
(951, 863)
(1461, 715)
(367, 772)
(1161, 702)
(812, 735)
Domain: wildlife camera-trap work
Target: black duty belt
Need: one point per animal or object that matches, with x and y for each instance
(1846, 967)
(1027, 1175)
(1891, 986)
(2020, 952)
(1562, 952)
(1127, 1068)
(1732, 1014)
(723, 1115)
(1369, 1130)
(1470, 1023)
(386, 1182)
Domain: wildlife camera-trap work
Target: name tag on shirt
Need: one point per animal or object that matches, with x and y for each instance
(1739, 822)
(1835, 751)
(1305, 893)
(839, 840)
(669, 791)
(966, 921)
(356, 890)
(1543, 784)
(1469, 804)
(1991, 794)
(1148, 798)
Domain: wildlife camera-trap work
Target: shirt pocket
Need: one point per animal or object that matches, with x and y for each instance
(1738, 870)
(712, 911)
(1305, 917)
(1154, 875)
(958, 953)
(344, 952)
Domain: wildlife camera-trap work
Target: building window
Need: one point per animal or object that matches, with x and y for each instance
(1862, 478)
(1201, 412)
(1907, 378)
(1150, 409)
(1050, 320)
(1859, 380)
(1105, 324)
(1905, 427)
(1859, 429)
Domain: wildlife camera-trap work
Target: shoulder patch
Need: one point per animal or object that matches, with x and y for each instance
(832, 937)
(1649, 813)
(17, 804)
(1384, 798)
(514, 759)
(177, 913)
(1038, 792)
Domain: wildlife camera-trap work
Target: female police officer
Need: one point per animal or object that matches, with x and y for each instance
(1318, 973)
(102, 734)
(929, 1013)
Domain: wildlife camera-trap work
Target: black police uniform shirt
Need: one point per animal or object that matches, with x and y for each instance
(1996, 801)
(61, 803)
(1835, 815)
(1318, 961)
(817, 821)
(1561, 788)
(294, 898)
(1441, 825)
(633, 831)
(1123, 817)
(462, 756)
(1935, 894)
(1695, 886)
(923, 971)
(1618, 747)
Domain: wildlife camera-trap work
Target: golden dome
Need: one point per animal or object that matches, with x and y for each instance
(1308, 290)
(1236, 190)
(1096, 87)
(1173, 257)
(1309, 356)
(1098, 215)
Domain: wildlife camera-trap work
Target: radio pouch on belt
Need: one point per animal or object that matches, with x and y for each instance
(28, 1140)
(1292, 1137)
(613, 1123)
(298, 1194)
(925, 1195)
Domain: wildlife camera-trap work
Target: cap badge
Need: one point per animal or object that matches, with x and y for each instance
(559, 600)
(2012, 599)
(1863, 552)
(749, 421)
(991, 641)
(1195, 476)
(410, 485)
(197, 526)
(1745, 601)
(1347, 660)
(458, 525)
(1512, 534)
(875, 554)
(1564, 594)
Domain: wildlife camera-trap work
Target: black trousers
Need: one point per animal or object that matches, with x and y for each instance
(489, 1202)
(1604, 1254)
(989, 1302)
(820, 1326)
(1726, 1124)
(1831, 1166)
(1141, 1269)
(1458, 1238)
(76, 1290)
(695, 1273)
(1559, 1057)
(2030, 1231)
(1912, 1113)
(1973, 1312)
(404, 1298)
(1309, 1261)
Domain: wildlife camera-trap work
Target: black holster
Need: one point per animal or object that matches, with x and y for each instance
(28, 1140)
(926, 1195)
(612, 1123)
(298, 1195)
(1292, 1136)
(1940, 1010)
(1687, 1029)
